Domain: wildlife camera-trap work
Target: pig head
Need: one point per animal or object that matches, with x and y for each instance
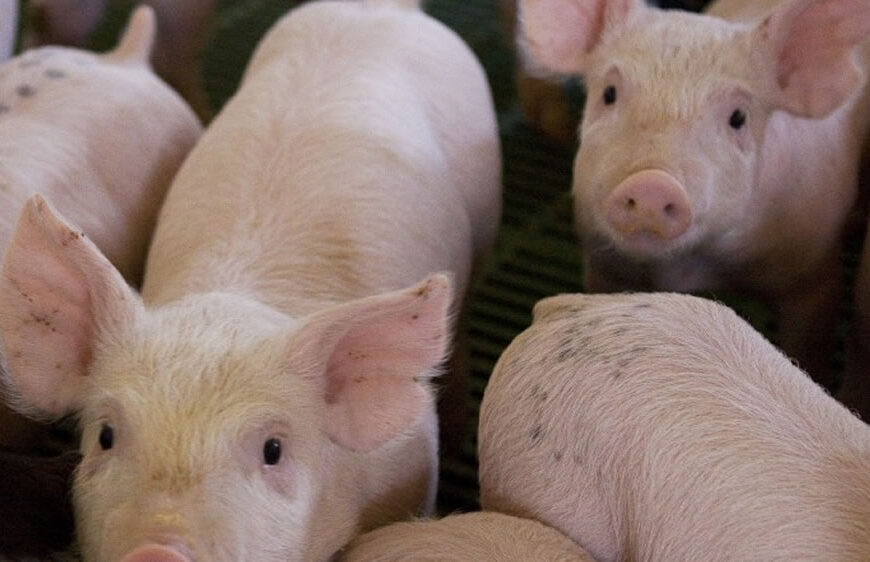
(216, 428)
(716, 153)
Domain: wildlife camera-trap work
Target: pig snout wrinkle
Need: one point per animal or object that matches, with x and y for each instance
(650, 202)
(155, 553)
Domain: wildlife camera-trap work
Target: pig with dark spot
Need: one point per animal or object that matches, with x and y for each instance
(718, 150)
(270, 394)
(709, 445)
(101, 137)
(469, 537)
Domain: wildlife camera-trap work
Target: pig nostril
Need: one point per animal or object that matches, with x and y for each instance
(630, 204)
(670, 210)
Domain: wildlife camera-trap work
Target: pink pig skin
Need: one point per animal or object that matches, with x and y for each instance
(465, 537)
(269, 395)
(183, 30)
(739, 132)
(60, 136)
(663, 427)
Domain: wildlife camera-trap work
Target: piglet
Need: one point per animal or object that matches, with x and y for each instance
(101, 137)
(269, 395)
(719, 151)
(471, 537)
(184, 27)
(664, 427)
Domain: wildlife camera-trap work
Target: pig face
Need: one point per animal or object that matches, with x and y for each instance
(672, 150)
(668, 155)
(210, 453)
(210, 426)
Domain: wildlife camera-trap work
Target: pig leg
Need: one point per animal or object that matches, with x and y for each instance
(808, 321)
(183, 29)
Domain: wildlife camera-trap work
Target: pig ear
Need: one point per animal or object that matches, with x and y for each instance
(56, 291)
(557, 35)
(806, 50)
(136, 44)
(373, 358)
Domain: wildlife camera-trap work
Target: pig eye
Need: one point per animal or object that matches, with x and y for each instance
(737, 119)
(107, 437)
(609, 96)
(272, 451)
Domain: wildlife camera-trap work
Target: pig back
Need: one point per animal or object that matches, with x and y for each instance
(99, 139)
(662, 427)
(490, 536)
(356, 178)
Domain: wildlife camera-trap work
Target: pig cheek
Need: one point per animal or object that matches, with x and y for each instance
(281, 478)
(96, 506)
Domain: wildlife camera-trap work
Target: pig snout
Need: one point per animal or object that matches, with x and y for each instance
(155, 553)
(651, 203)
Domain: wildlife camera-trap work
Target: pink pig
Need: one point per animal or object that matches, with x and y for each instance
(101, 137)
(184, 27)
(718, 150)
(269, 395)
(663, 427)
(471, 537)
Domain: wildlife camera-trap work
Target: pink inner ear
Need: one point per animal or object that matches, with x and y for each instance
(559, 33)
(373, 409)
(814, 67)
(384, 351)
(46, 310)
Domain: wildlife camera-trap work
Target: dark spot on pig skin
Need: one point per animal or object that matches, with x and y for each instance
(557, 456)
(566, 352)
(537, 434)
(538, 394)
(55, 73)
(39, 319)
(25, 91)
(765, 28)
(415, 317)
(616, 374)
